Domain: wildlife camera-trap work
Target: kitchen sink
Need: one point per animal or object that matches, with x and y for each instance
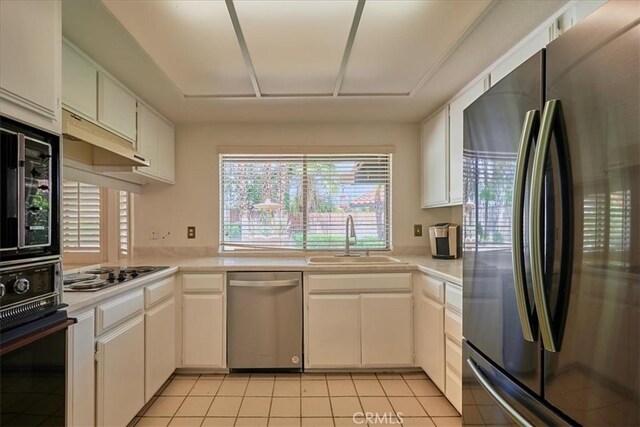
(353, 260)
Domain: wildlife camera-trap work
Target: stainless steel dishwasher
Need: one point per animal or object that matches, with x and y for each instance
(264, 313)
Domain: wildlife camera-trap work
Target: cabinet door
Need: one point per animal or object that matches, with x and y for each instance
(120, 374)
(116, 107)
(30, 39)
(160, 346)
(433, 352)
(166, 151)
(435, 160)
(456, 133)
(334, 331)
(79, 83)
(147, 142)
(81, 372)
(202, 330)
(387, 330)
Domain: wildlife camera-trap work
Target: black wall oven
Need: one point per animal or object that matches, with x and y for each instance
(33, 342)
(29, 193)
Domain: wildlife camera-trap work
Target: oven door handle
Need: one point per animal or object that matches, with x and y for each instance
(22, 220)
(35, 335)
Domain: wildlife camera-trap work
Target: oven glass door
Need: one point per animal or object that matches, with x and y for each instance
(8, 190)
(32, 390)
(36, 202)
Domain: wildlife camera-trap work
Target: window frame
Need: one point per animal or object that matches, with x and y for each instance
(226, 248)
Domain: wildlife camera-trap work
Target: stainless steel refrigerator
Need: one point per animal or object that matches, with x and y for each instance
(551, 235)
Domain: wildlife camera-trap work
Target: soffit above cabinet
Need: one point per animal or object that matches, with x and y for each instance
(296, 47)
(193, 42)
(399, 42)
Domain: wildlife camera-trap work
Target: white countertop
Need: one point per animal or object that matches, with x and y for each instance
(448, 270)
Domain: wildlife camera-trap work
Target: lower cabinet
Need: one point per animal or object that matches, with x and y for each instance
(359, 321)
(453, 352)
(120, 374)
(81, 371)
(334, 331)
(160, 343)
(203, 321)
(387, 330)
(431, 326)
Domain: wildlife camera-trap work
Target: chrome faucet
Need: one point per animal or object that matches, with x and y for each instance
(350, 232)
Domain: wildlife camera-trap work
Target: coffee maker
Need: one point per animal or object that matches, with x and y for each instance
(446, 240)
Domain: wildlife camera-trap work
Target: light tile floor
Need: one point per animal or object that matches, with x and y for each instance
(298, 400)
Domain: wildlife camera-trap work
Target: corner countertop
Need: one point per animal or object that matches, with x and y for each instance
(448, 270)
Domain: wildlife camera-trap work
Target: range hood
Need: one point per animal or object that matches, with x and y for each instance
(89, 144)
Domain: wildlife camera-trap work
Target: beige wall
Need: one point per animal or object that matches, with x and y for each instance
(193, 200)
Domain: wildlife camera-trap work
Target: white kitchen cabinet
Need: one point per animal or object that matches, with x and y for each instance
(156, 142)
(334, 331)
(387, 330)
(432, 327)
(160, 343)
(79, 83)
(456, 136)
(435, 160)
(116, 107)
(30, 46)
(453, 344)
(81, 371)
(203, 330)
(120, 374)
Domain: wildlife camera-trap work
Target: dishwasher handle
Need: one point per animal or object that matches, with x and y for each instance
(264, 283)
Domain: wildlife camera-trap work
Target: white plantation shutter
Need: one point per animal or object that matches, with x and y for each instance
(123, 222)
(81, 213)
(302, 201)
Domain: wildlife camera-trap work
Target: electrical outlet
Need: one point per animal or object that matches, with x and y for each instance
(191, 232)
(417, 230)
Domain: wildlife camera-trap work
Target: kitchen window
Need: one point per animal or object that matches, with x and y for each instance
(82, 219)
(86, 209)
(302, 201)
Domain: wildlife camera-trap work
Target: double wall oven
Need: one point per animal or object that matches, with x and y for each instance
(33, 322)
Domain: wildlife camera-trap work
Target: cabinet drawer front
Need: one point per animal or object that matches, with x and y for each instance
(454, 356)
(319, 283)
(454, 298)
(431, 287)
(114, 312)
(453, 326)
(202, 282)
(158, 291)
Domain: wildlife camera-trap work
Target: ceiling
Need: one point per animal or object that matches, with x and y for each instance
(298, 60)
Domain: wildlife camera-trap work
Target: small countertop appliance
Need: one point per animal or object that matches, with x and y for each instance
(445, 239)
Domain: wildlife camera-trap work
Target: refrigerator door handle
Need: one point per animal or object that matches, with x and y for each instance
(496, 396)
(551, 123)
(529, 132)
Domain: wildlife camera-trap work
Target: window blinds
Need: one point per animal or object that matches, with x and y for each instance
(302, 201)
(81, 214)
(123, 222)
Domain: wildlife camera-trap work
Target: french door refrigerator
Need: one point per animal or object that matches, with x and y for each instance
(552, 233)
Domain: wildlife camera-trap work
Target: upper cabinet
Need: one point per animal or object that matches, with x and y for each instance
(442, 140)
(527, 48)
(116, 107)
(79, 80)
(30, 44)
(456, 136)
(156, 142)
(93, 94)
(435, 160)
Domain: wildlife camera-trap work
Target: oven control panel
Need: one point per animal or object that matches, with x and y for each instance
(24, 284)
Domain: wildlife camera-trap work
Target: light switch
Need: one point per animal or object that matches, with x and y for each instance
(191, 232)
(417, 230)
